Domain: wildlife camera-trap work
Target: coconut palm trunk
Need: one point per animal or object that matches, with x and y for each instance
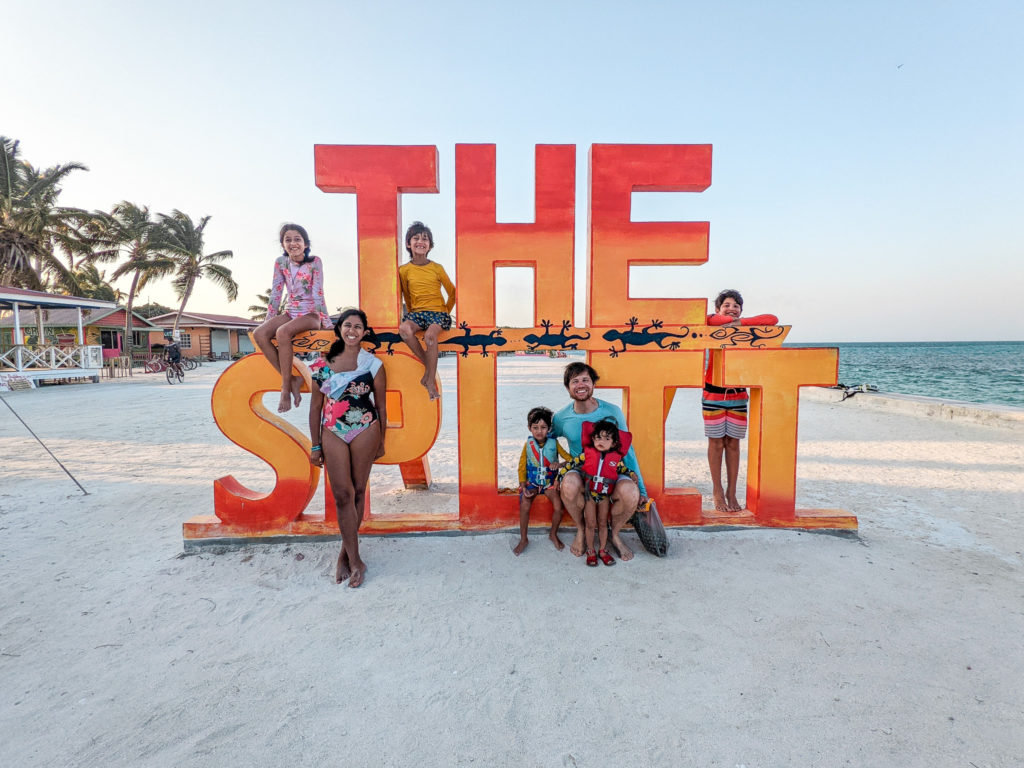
(182, 239)
(181, 309)
(128, 230)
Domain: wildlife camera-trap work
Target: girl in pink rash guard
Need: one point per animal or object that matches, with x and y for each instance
(305, 309)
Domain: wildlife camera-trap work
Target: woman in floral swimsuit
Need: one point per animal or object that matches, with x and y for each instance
(347, 420)
(305, 310)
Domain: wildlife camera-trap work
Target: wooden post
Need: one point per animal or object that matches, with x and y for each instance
(18, 339)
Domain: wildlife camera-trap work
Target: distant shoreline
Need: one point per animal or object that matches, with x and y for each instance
(944, 409)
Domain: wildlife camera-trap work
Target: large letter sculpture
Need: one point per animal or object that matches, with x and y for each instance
(647, 359)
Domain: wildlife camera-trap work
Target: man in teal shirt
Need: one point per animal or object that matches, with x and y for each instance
(579, 380)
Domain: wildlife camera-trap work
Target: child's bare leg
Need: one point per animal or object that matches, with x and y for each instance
(430, 377)
(264, 336)
(590, 523)
(716, 446)
(556, 517)
(732, 471)
(290, 385)
(525, 502)
(603, 508)
(408, 331)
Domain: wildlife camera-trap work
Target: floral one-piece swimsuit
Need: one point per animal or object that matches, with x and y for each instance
(348, 406)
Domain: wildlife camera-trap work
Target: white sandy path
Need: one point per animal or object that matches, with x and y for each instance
(759, 648)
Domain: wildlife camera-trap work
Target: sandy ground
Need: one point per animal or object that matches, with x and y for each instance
(898, 647)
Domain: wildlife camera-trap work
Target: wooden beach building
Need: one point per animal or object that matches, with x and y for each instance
(47, 337)
(204, 335)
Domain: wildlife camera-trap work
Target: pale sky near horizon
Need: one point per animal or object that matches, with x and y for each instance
(867, 168)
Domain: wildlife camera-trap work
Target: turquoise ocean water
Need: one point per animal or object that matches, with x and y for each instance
(987, 372)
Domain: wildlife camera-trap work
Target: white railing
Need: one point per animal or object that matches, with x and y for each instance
(26, 357)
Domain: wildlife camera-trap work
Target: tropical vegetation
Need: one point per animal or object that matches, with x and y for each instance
(182, 239)
(48, 247)
(34, 230)
(259, 310)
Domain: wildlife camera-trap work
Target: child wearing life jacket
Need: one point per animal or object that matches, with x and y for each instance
(538, 467)
(604, 447)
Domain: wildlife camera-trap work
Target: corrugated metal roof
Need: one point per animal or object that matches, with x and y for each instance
(205, 318)
(107, 318)
(23, 297)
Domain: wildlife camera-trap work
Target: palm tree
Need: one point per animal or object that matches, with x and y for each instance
(182, 239)
(33, 226)
(151, 309)
(130, 231)
(258, 311)
(93, 284)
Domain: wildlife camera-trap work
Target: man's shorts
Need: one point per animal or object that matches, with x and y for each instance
(426, 319)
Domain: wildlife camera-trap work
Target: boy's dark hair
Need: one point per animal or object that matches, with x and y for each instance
(370, 335)
(297, 228)
(418, 228)
(575, 369)
(728, 293)
(540, 413)
(609, 428)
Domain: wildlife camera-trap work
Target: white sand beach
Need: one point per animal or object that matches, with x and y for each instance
(900, 646)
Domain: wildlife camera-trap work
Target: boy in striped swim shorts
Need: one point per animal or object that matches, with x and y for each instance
(725, 409)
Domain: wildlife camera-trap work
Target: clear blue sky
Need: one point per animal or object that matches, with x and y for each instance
(868, 157)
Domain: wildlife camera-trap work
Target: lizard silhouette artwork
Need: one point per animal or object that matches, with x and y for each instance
(383, 338)
(310, 343)
(634, 338)
(745, 335)
(482, 340)
(548, 339)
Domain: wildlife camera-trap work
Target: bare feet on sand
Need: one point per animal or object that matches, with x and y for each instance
(577, 545)
(517, 550)
(720, 503)
(556, 541)
(342, 571)
(625, 553)
(358, 574)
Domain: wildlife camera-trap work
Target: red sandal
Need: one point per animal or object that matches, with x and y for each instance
(591, 558)
(606, 558)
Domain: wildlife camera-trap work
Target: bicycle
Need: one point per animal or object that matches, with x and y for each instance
(175, 371)
(155, 365)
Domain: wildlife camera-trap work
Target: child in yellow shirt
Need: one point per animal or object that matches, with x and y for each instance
(425, 307)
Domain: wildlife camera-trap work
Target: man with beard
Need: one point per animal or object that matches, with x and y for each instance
(579, 380)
